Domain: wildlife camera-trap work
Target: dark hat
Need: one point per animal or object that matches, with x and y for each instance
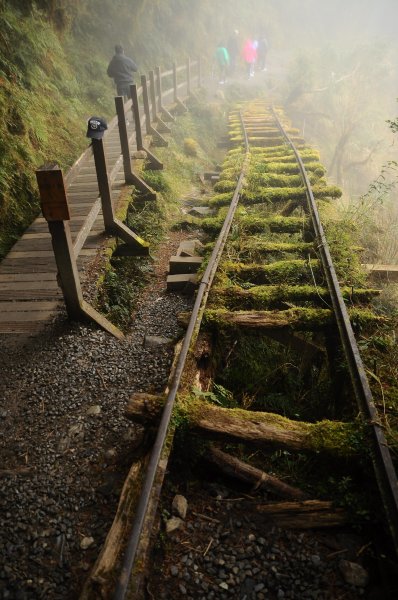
(96, 127)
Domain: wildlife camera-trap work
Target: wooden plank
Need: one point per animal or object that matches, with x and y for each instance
(22, 317)
(83, 233)
(27, 277)
(28, 306)
(34, 284)
(22, 328)
(386, 273)
(22, 254)
(30, 295)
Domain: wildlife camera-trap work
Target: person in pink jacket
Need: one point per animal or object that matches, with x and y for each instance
(250, 56)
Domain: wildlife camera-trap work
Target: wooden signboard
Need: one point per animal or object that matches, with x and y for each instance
(53, 200)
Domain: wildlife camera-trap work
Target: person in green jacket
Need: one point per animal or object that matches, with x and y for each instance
(222, 58)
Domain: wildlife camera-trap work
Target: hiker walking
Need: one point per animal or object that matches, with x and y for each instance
(250, 56)
(222, 59)
(121, 69)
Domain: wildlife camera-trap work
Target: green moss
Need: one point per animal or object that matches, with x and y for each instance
(276, 296)
(286, 271)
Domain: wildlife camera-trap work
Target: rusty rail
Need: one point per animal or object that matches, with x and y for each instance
(384, 468)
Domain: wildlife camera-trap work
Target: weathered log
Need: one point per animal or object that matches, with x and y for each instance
(282, 272)
(309, 514)
(101, 580)
(260, 428)
(295, 319)
(263, 248)
(234, 467)
(273, 296)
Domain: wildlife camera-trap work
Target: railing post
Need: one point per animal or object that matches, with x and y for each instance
(124, 139)
(154, 162)
(55, 210)
(146, 104)
(175, 86)
(188, 77)
(159, 88)
(180, 106)
(150, 130)
(113, 225)
(136, 114)
(164, 112)
(153, 95)
(103, 184)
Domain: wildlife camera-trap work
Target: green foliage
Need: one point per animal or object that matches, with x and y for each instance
(190, 147)
(120, 288)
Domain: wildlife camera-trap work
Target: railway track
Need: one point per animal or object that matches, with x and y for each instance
(269, 361)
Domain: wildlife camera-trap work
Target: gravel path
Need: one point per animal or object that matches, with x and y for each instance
(224, 551)
(65, 444)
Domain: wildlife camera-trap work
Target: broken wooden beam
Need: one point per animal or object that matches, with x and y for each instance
(308, 514)
(233, 467)
(260, 428)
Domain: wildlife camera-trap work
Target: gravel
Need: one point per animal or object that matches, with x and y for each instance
(66, 445)
(254, 562)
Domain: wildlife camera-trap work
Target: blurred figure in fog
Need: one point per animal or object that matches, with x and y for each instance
(250, 56)
(121, 69)
(233, 50)
(222, 58)
(262, 52)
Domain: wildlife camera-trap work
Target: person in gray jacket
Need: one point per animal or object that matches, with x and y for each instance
(121, 69)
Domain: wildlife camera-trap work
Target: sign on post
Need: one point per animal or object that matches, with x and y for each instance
(54, 204)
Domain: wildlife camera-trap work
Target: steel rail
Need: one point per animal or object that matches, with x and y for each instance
(196, 316)
(383, 465)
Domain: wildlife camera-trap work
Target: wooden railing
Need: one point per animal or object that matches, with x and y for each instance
(147, 108)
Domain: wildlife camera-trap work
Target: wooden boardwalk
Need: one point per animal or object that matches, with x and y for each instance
(30, 297)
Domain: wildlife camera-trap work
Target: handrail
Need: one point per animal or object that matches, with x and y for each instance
(87, 154)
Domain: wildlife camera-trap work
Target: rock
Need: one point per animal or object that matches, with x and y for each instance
(223, 585)
(86, 543)
(179, 506)
(173, 524)
(353, 573)
(174, 570)
(316, 560)
(153, 341)
(94, 410)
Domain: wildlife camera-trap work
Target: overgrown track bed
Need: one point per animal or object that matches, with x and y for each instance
(269, 397)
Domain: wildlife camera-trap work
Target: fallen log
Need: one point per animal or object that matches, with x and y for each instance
(283, 272)
(309, 514)
(273, 296)
(295, 319)
(260, 428)
(101, 579)
(244, 472)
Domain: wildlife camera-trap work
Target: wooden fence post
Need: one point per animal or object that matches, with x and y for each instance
(180, 106)
(129, 176)
(160, 125)
(124, 139)
(158, 139)
(55, 210)
(113, 225)
(175, 86)
(164, 112)
(154, 162)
